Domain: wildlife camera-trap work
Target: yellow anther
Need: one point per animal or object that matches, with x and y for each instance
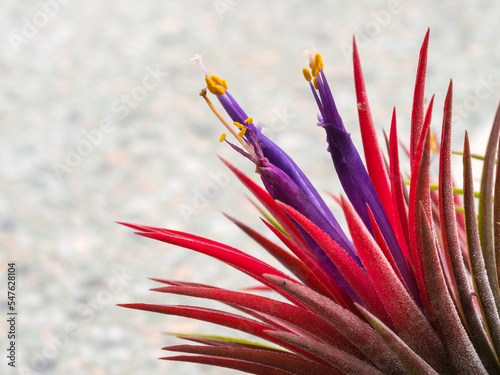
(434, 144)
(244, 144)
(216, 79)
(213, 87)
(315, 71)
(315, 84)
(224, 83)
(238, 125)
(307, 74)
(248, 120)
(222, 137)
(318, 61)
(242, 132)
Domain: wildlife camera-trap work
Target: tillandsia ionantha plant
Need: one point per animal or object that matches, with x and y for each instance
(412, 288)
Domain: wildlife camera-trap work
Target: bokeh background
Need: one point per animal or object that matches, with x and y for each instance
(100, 121)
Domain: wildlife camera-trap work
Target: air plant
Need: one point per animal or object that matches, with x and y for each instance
(412, 288)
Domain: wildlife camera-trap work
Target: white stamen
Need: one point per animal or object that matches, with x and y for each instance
(309, 53)
(198, 61)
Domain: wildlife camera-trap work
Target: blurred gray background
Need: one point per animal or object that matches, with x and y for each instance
(100, 121)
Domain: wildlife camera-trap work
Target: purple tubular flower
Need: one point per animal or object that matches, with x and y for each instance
(266, 149)
(349, 167)
(320, 215)
(282, 188)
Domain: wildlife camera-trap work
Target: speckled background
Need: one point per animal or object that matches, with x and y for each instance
(100, 120)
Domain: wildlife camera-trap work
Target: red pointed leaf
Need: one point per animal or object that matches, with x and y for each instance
(293, 264)
(348, 323)
(237, 259)
(410, 323)
(300, 318)
(310, 261)
(417, 114)
(462, 355)
(268, 202)
(356, 277)
(339, 359)
(278, 360)
(400, 210)
(235, 364)
(222, 318)
(373, 154)
(420, 192)
(413, 364)
(452, 248)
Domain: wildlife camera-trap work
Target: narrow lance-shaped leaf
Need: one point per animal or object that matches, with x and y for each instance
(460, 351)
(241, 261)
(485, 209)
(235, 364)
(478, 267)
(409, 321)
(419, 192)
(300, 318)
(355, 275)
(400, 208)
(373, 154)
(417, 113)
(281, 361)
(353, 327)
(225, 319)
(496, 221)
(449, 231)
(293, 264)
(310, 261)
(339, 359)
(413, 364)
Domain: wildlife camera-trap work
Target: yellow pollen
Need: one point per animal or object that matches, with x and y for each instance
(315, 84)
(318, 61)
(216, 79)
(248, 120)
(224, 83)
(307, 74)
(222, 137)
(213, 87)
(242, 132)
(238, 125)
